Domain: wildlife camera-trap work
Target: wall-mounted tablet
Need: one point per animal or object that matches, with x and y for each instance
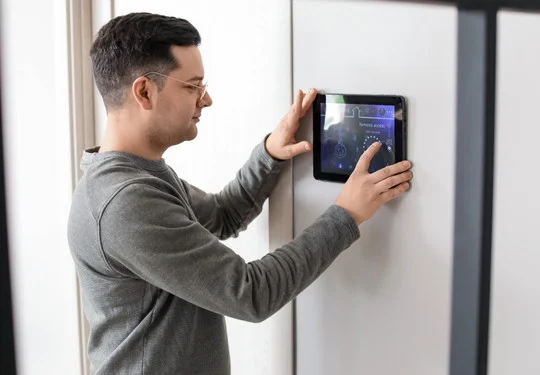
(344, 126)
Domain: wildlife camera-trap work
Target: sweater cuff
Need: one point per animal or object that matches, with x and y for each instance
(348, 227)
(265, 157)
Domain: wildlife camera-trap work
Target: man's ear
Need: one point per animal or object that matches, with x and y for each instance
(143, 91)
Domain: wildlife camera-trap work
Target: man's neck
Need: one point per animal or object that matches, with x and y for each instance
(124, 135)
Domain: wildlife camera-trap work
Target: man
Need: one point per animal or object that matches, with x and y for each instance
(156, 280)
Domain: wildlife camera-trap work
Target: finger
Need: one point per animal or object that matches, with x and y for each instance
(293, 116)
(394, 192)
(296, 109)
(393, 181)
(298, 148)
(365, 159)
(308, 100)
(391, 170)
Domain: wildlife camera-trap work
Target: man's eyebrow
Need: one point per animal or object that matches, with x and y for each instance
(196, 78)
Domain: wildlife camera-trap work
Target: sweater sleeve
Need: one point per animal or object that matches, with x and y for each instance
(147, 233)
(229, 212)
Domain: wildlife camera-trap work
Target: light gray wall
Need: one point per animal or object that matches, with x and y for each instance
(515, 306)
(384, 306)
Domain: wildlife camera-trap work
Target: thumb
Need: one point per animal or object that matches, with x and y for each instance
(297, 149)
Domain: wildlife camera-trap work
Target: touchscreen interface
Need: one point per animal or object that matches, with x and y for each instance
(347, 130)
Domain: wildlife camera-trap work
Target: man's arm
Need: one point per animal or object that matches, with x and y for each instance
(148, 233)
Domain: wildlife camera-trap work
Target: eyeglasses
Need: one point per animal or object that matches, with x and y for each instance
(202, 88)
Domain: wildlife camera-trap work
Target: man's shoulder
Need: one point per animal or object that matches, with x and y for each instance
(103, 179)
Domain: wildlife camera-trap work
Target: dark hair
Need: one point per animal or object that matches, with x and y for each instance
(131, 45)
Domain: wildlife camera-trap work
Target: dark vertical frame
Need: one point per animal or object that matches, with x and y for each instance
(7, 352)
(474, 191)
(7, 344)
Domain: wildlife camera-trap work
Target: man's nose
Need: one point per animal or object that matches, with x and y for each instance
(206, 100)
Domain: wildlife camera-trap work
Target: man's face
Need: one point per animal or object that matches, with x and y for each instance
(179, 105)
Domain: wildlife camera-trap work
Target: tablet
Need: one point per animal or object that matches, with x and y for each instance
(344, 126)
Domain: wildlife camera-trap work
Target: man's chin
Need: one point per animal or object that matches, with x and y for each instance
(186, 137)
(194, 131)
(192, 134)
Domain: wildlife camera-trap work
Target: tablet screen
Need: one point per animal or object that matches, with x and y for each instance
(347, 130)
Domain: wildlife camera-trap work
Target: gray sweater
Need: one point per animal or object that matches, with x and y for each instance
(156, 280)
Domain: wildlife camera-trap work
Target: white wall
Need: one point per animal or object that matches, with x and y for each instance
(247, 56)
(383, 307)
(38, 173)
(515, 307)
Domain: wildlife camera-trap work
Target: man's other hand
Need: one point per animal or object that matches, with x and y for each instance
(281, 144)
